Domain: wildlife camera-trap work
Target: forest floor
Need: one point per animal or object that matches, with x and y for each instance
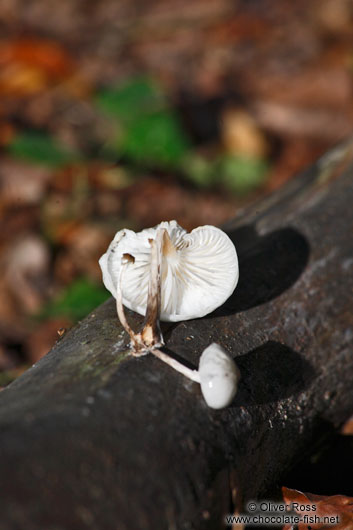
(120, 114)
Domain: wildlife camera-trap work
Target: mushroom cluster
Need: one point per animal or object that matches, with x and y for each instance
(168, 274)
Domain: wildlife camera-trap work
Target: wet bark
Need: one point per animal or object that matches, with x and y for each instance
(93, 438)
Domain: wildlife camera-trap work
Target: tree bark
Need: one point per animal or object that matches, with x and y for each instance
(92, 438)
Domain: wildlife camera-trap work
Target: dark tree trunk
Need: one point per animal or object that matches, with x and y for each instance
(92, 438)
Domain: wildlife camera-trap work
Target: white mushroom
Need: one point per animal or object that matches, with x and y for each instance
(199, 271)
(219, 376)
(188, 275)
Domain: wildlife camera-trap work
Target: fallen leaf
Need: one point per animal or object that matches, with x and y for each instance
(26, 271)
(21, 80)
(334, 16)
(85, 244)
(348, 427)
(323, 507)
(242, 135)
(108, 177)
(22, 184)
(310, 123)
(7, 132)
(76, 301)
(42, 54)
(242, 174)
(318, 86)
(148, 131)
(41, 149)
(12, 325)
(31, 65)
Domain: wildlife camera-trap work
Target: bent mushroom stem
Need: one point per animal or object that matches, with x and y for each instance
(179, 367)
(151, 333)
(150, 338)
(134, 337)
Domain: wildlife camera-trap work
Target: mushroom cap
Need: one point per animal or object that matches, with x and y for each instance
(199, 270)
(219, 376)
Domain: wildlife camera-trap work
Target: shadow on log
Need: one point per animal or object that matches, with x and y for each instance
(94, 439)
(269, 265)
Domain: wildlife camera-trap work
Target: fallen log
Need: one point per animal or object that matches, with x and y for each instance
(93, 438)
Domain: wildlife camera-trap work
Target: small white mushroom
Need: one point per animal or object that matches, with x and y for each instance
(219, 376)
(199, 271)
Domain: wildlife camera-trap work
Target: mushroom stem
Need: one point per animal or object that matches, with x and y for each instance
(179, 367)
(151, 334)
(135, 343)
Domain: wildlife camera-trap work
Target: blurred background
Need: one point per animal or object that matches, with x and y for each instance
(121, 114)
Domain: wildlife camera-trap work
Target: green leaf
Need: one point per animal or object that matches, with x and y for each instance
(242, 174)
(128, 101)
(41, 149)
(146, 131)
(75, 302)
(155, 139)
(199, 170)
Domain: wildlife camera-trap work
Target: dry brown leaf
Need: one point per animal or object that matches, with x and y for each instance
(325, 507)
(334, 16)
(85, 245)
(11, 324)
(7, 132)
(21, 80)
(321, 85)
(31, 65)
(241, 134)
(40, 54)
(26, 271)
(348, 427)
(310, 123)
(22, 184)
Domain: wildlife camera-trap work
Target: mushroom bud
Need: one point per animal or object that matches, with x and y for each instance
(219, 376)
(199, 270)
